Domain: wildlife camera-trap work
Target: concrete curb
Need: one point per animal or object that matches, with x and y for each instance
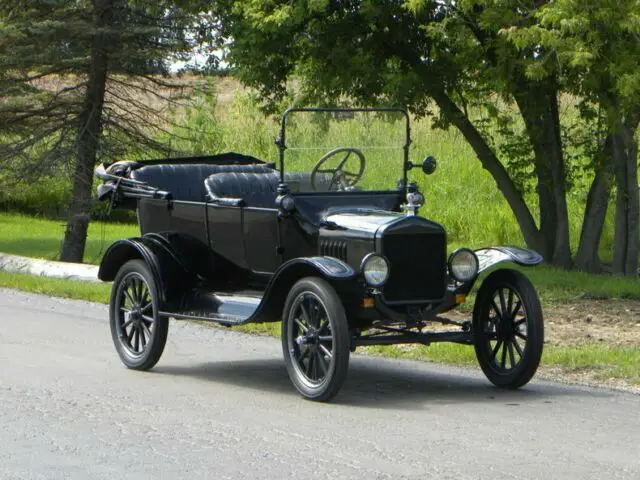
(47, 268)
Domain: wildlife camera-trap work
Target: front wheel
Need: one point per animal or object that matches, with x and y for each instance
(138, 330)
(315, 339)
(508, 328)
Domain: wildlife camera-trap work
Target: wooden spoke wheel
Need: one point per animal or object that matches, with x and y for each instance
(508, 328)
(315, 339)
(139, 333)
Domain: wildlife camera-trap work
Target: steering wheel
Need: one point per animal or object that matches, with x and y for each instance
(341, 178)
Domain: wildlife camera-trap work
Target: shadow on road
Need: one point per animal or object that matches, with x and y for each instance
(373, 383)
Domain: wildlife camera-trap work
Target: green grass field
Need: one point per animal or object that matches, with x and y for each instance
(56, 287)
(42, 238)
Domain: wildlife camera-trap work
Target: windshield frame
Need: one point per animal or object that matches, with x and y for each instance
(282, 146)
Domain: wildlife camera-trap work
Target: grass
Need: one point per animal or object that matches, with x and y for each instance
(42, 238)
(556, 285)
(56, 287)
(589, 362)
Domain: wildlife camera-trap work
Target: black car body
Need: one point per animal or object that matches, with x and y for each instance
(232, 239)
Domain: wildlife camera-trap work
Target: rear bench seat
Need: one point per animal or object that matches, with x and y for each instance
(259, 189)
(186, 181)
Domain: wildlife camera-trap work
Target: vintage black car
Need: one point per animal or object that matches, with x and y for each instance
(232, 239)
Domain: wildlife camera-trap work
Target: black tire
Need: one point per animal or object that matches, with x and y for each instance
(313, 314)
(508, 328)
(139, 333)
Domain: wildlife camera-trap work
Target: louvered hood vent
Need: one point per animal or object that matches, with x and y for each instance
(334, 248)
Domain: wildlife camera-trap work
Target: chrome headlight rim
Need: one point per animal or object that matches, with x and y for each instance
(456, 254)
(368, 258)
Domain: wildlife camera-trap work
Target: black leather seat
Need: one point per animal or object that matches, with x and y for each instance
(259, 189)
(186, 181)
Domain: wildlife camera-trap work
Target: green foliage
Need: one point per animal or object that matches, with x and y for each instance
(46, 196)
(596, 43)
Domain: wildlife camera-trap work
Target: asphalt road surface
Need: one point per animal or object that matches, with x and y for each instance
(219, 405)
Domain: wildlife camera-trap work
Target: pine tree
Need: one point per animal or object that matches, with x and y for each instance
(70, 81)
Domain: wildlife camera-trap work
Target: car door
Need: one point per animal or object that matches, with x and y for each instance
(260, 229)
(226, 238)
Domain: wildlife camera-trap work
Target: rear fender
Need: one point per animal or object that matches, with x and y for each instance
(339, 274)
(172, 278)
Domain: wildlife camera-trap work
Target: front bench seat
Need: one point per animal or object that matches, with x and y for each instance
(186, 181)
(258, 189)
(247, 189)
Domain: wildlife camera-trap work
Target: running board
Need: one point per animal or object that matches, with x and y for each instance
(225, 309)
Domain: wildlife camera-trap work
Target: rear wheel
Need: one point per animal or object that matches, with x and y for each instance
(315, 339)
(508, 326)
(138, 331)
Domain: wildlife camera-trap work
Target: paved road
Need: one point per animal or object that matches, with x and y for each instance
(219, 405)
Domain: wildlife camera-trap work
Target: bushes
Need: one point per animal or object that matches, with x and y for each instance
(49, 197)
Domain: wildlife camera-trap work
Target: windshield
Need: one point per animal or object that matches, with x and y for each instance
(342, 150)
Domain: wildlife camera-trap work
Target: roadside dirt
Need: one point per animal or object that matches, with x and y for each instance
(613, 323)
(610, 322)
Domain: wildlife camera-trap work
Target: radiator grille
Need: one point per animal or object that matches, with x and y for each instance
(418, 261)
(334, 248)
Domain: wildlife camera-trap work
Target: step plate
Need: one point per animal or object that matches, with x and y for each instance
(222, 308)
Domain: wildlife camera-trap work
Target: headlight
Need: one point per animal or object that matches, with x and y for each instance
(463, 265)
(375, 269)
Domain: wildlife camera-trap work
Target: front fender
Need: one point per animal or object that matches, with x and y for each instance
(490, 256)
(171, 276)
(339, 274)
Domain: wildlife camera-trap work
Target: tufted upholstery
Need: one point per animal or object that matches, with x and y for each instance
(255, 189)
(259, 189)
(186, 181)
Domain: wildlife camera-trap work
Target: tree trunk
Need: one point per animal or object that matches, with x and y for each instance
(627, 230)
(491, 163)
(538, 104)
(595, 213)
(88, 140)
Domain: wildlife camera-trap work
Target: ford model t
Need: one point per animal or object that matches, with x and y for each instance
(331, 245)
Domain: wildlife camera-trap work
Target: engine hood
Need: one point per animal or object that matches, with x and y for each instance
(373, 223)
(360, 220)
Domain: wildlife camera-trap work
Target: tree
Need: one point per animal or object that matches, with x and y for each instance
(414, 52)
(74, 72)
(597, 44)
